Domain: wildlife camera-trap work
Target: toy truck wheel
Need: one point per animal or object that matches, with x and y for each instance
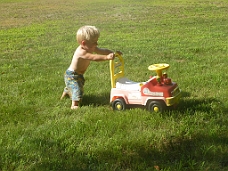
(155, 106)
(119, 104)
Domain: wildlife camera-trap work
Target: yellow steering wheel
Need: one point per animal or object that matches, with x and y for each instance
(158, 68)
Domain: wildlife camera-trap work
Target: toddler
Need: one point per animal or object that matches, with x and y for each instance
(88, 50)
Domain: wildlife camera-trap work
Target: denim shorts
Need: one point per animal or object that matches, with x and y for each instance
(74, 83)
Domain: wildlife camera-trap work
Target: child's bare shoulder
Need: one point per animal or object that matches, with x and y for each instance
(79, 53)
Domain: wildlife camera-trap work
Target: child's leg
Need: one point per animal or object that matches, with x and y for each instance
(74, 82)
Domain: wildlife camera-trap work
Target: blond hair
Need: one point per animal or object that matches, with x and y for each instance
(87, 33)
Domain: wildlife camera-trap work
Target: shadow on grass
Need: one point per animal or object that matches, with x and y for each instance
(189, 105)
(96, 100)
(199, 151)
(177, 153)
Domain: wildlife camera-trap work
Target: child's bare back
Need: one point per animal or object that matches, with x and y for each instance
(79, 64)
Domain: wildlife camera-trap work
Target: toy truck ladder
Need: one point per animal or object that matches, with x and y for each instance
(116, 69)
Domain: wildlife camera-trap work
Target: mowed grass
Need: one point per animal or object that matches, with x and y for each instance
(40, 132)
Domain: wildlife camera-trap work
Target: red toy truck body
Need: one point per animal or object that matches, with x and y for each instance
(156, 94)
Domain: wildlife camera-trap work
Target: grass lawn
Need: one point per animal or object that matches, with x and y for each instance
(40, 132)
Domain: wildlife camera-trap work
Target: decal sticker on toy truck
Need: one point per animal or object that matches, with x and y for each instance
(146, 91)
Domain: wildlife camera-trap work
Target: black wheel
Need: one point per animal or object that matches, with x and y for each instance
(156, 106)
(119, 104)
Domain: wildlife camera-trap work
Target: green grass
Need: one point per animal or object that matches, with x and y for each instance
(40, 132)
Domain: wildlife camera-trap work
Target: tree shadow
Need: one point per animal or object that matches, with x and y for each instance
(175, 153)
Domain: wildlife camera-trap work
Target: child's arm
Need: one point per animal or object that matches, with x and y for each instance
(103, 51)
(98, 57)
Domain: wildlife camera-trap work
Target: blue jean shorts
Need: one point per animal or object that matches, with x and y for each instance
(74, 83)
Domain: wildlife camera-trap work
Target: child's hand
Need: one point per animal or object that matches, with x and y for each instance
(111, 56)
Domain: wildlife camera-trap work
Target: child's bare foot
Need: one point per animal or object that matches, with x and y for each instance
(74, 107)
(63, 95)
(66, 92)
(74, 104)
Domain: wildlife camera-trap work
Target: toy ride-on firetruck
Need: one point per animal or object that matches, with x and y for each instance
(156, 94)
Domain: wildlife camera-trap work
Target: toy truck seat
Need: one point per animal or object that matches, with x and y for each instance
(126, 84)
